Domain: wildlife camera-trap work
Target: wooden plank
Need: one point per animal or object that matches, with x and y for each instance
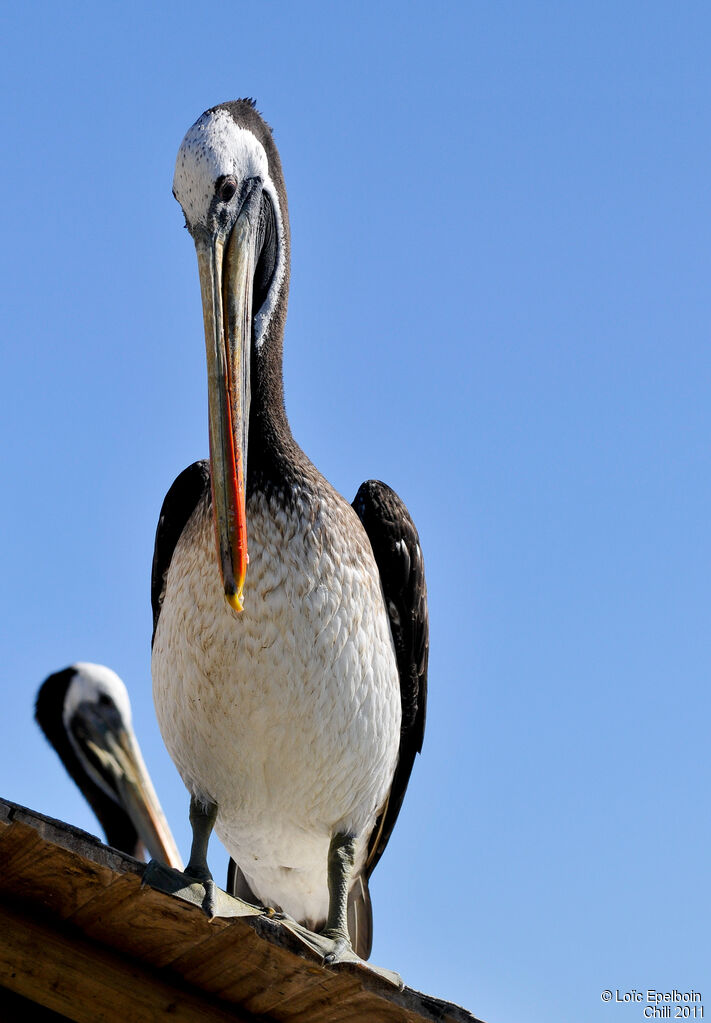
(270, 968)
(89, 984)
(16, 1009)
(318, 1003)
(73, 839)
(352, 1005)
(242, 968)
(97, 911)
(17, 843)
(156, 927)
(284, 978)
(267, 979)
(88, 901)
(225, 964)
(288, 988)
(37, 872)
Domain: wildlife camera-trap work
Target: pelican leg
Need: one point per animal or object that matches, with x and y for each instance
(202, 821)
(341, 859)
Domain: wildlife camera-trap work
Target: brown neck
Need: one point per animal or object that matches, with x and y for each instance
(274, 460)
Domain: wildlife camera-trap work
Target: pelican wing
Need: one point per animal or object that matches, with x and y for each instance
(398, 555)
(179, 504)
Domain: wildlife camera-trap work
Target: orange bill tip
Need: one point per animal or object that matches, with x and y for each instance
(235, 600)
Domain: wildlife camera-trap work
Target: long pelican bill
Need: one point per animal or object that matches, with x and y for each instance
(226, 278)
(112, 757)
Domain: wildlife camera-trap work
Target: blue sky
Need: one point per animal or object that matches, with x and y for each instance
(500, 306)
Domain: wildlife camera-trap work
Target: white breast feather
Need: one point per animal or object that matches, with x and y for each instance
(288, 715)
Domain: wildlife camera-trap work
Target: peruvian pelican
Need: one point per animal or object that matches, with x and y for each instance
(290, 693)
(85, 712)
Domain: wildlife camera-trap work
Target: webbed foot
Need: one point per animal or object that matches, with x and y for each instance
(335, 950)
(205, 879)
(342, 951)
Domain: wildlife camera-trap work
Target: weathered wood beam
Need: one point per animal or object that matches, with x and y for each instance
(83, 935)
(90, 984)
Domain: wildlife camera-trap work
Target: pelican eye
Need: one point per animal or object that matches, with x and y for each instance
(225, 187)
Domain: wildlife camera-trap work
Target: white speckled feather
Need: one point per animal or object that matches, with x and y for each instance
(287, 715)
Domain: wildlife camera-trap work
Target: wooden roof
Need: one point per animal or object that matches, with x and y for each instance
(84, 936)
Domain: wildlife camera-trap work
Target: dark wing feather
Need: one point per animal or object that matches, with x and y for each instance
(179, 504)
(238, 885)
(398, 555)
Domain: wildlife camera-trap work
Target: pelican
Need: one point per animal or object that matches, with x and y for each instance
(85, 713)
(290, 637)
